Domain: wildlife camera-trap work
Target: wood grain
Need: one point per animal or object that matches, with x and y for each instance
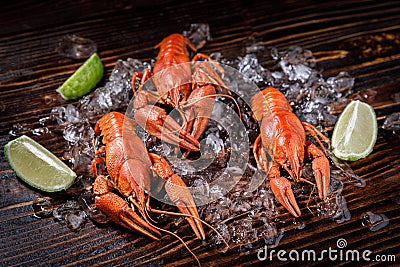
(30, 69)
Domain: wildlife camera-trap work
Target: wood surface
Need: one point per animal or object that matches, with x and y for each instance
(30, 69)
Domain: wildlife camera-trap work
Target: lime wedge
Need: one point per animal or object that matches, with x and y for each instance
(355, 132)
(83, 79)
(37, 166)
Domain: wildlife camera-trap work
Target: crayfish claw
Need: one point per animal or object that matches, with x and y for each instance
(118, 210)
(282, 189)
(182, 198)
(177, 134)
(179, 194)
(283, 192)
(157, 123)
(321, 169)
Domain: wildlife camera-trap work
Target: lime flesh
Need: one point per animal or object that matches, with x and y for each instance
(37, 166)
(83, 79)
(355, 132)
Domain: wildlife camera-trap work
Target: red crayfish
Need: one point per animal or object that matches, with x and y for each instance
(282, 143)
(179, 88)
(130, 166)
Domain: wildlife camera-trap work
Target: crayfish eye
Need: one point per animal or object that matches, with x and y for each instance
(181, 95)
(168, 99)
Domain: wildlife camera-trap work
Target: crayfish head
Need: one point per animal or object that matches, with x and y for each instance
(174, 97)
(294, 166)
(290, 155)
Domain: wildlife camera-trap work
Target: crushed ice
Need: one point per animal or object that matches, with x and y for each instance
(313, 98)
(76, 120)
(245, 214)
(198, 34)
(252, 70)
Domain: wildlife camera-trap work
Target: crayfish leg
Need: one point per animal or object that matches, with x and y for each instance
(316, 134)
(157, 123)
(97, 164)
(200, 56)
(142, 77)
(258, 151)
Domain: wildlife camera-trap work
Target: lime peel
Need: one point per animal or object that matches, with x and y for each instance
(83, 79)
(37, 166)
(355, 132)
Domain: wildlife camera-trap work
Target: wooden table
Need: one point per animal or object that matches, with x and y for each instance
(30, 69)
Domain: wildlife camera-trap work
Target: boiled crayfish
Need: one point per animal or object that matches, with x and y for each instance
(129, 167)
(179, 88)
(282, 143)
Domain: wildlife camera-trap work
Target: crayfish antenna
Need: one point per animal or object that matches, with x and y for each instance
(191, 216)
(146, 211)
(318, 136)
(309, 200)
(148, 219)
(179, 238)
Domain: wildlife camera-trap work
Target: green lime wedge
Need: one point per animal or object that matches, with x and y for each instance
(355, 132)
(83, 79)
(37, 166)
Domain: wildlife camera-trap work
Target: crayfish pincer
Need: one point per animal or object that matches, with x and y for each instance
(129, 167)
(282, 143)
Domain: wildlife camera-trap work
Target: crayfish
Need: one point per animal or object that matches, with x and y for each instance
(192, 94)
(129, 166)
(282, 143)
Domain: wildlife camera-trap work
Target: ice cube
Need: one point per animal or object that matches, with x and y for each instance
(251, 69)
(298, 72)
(254, 48)
(342, 213)
(342, 83)
(215, 142)
(75, 219)
(198, 34)
(78, 132)
(86, 201)
(40, 131)
(72, 114)
(374, 221)
(67, 207)
(74, 46)
(392, 122)
(239, 231)
(200, 191)
(42, 207)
